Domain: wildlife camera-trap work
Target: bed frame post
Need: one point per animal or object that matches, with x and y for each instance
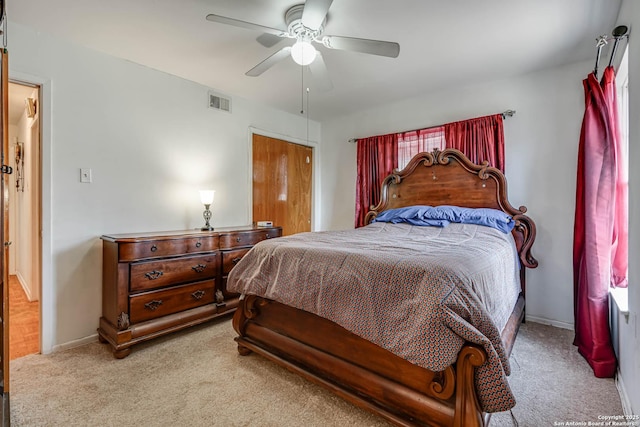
(468, 412)
(245, 311)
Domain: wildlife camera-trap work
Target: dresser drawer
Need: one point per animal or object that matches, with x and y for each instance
(247, 238)
(151, 305)
(162, 248)
(156, 274)
(231, 258)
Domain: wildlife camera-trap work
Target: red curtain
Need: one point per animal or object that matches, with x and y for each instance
(593, 232)
(377, 156)
(479, 139)
(620, 247)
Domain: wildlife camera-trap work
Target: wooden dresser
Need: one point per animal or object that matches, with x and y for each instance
(157, 283)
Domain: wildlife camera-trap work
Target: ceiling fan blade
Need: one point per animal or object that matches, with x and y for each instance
(269, 62)
(319, 70)
(268, 40)
(373, 47)
(314, 13)
(247, 25)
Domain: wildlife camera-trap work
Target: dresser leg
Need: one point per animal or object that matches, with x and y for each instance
(101, 339)
(121, 354)
(243, 351)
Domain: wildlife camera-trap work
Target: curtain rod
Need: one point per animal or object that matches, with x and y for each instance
(505, 114)
(618, 33)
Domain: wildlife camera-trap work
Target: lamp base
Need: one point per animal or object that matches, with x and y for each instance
(207, 218)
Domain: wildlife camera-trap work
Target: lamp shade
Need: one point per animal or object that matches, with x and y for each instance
(303, 52)
(206, 196)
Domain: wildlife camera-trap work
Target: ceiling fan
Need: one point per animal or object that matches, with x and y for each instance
(305, 23)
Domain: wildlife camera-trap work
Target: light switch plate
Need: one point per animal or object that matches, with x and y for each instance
(85, 175)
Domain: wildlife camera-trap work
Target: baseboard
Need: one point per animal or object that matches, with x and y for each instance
(624, 397)
(75, 343)
(25, 287)
(555, 323)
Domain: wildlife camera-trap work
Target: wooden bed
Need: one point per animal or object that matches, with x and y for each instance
(364, 373)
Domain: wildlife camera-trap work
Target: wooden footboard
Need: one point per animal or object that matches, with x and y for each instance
(362, 372)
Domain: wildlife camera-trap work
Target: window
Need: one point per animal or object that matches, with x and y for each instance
(622, 83)
(418, 141)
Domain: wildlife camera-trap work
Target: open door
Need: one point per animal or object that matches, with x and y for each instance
(4, 233)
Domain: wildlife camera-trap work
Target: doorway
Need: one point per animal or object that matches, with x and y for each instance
(25, 273)
(282, 182)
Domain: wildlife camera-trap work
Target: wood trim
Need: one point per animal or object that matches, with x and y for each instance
(4, 270)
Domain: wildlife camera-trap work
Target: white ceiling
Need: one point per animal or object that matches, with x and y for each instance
(442, 43)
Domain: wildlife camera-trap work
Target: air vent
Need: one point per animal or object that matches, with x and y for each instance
(219, 102)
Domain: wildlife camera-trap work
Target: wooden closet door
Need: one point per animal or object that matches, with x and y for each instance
(282, 178)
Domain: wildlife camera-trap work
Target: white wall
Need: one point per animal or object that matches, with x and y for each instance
(541, 160)
(151, 143)
(13, 138)
(629, 358)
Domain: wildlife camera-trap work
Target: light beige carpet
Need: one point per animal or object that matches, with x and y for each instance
(197, 378)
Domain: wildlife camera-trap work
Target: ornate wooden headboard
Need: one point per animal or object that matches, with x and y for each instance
(448, 177)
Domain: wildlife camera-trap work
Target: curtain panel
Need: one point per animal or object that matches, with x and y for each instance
(620, 241)
(593, 232)
(377, 157)
(479, 139)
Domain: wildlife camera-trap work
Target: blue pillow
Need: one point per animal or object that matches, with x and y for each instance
(441, 216)
(450, 213)
(414, 215)
(481, 216)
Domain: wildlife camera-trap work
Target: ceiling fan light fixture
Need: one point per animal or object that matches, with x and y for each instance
(303, 52)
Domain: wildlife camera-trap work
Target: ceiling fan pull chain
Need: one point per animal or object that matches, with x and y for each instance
(301, 89)
(307, 116)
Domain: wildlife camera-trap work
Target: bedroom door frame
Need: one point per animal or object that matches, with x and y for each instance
(47, 307)
(315, 175)
(29, 272)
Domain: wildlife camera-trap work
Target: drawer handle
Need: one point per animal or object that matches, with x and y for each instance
(198, 244)
(268, 236)
(198, 294)
(237, 239)
(154, 248)
(235, 260)
(153, 275)
(199, 268)
(153, 305)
